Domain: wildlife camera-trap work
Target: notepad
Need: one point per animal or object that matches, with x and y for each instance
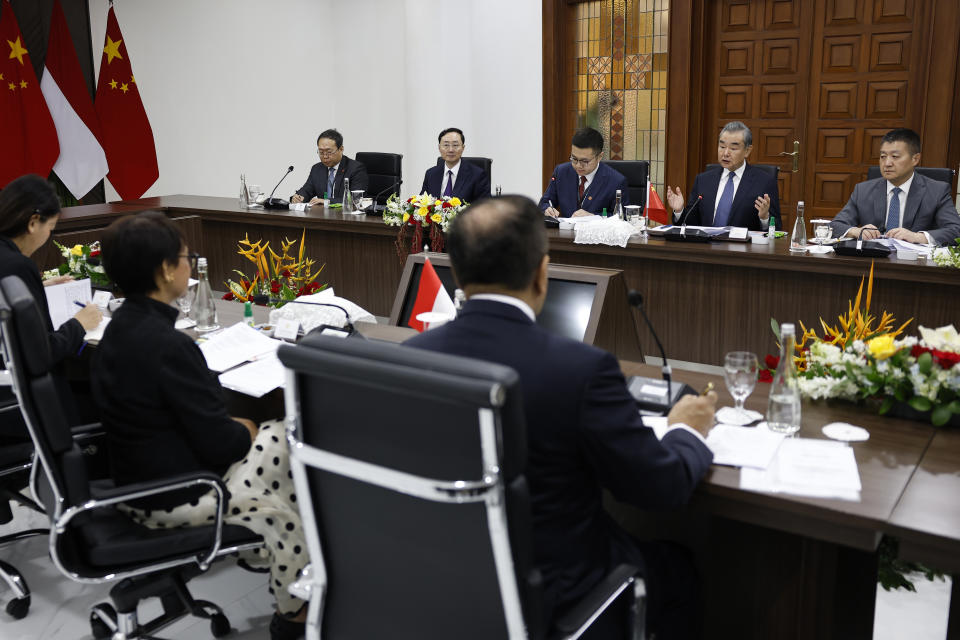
(61, 298)
(236, 345)
(808, 467)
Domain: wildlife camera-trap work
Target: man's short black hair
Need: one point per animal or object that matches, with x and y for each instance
(909, 136)
(498, 241)
(451, 130)
(332, 134)
(135, 246)
(23, 198)
(588, 138)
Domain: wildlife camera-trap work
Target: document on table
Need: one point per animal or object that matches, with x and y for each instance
(897, 245)
(236, 345)
(256, 378)
(96, 334)
(808, 467)
(713, 231)
(61, 299)
(743, 446)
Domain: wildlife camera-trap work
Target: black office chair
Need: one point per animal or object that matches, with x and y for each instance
(16, 460)
(385, 171)
(637, 172)
(772, 169)
(485, 164)
(943, 174)
(409, 466)
(90, 540)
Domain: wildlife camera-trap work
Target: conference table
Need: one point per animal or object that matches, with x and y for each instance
(703, 299)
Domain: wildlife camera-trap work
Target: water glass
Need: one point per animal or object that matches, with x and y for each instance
(740, 373)
(185, 302)
(821, 230)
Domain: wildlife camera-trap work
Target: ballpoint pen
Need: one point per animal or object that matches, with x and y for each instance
(707, 389)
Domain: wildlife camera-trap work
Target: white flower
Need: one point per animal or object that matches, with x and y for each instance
(942, 339)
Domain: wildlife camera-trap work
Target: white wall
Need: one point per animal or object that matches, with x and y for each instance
(246, 85)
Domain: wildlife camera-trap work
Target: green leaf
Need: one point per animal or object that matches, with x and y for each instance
(899, 394)
(886, 405)
(940, 416)
(920, 403)
(954, 406)
(925, 362)
(775, 327)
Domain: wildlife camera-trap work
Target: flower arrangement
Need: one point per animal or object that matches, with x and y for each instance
(79, 263)
(948, 256)
(277, 276)
(421, 214)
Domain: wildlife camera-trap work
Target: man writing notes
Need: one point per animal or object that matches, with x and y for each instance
(733, 194)
(326, 177)
(585, 186)
(584, 433)
(455, 178)
(900, 204)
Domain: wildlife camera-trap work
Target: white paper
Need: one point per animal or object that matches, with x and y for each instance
(807, 467)
(96, 334)
(658, 424)
(102, 298)
(737, 233)
(256, 378)
(896, 245)
(743, 446)
(235, 345)
(184, 323)
(287, 329)
(61, 299)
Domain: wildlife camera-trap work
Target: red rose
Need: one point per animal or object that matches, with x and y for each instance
(447, 205)
(274, 286)
(771, 361)
(286, 273)
(245, 284)
(765, 376)
(228, 295)
(946, 359)
(94, 254)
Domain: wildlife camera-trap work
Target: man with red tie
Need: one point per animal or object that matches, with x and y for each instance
(453, 177)
(584, 186)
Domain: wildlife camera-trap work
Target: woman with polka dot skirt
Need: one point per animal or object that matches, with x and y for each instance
(164, 414)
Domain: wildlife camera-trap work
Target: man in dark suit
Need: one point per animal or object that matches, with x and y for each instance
(326, 177)
(585, 186)
(455, 178)
(734, 194)
(583, 430)
(901, 203)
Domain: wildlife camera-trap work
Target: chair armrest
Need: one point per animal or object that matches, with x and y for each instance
(93, 428)
(579, 618)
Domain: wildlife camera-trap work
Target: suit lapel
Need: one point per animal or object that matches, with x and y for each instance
(739, 205)
(568, 191)
(914, 197)
(595, 188)
(341, 172)
(879, 198)
(708, 208)
(463, 179)
(435, 182)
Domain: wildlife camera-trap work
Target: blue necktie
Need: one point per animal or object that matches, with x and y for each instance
(331, 178)
(449, 190)
(893, 214)
(726, 202)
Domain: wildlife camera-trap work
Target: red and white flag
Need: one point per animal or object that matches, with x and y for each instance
(127, 136)
(655, 209)
(82, 162)
(28, 139)
(431, 296)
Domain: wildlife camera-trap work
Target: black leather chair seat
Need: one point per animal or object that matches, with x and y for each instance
(11, 454)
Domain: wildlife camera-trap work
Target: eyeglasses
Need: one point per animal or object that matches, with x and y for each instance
(191, 258)
(582, 162)
(451, 146)
(326, 153)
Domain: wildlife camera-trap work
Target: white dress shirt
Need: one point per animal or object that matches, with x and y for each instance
(446, 177)
(904, 191)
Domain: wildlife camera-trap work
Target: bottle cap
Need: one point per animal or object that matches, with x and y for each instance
(618, 191)
(788, 327)
(201, 262)
(604, 214)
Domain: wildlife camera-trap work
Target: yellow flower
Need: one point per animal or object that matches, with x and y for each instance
(435, 217)
(406, 217)
(455, 201)
(882, 347)
(77, 250)
(423, 211)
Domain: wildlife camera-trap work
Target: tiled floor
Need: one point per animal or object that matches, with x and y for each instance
(60, 608)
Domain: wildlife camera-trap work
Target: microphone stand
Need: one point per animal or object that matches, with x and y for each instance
(680, 233)
(278, 203)
(373, 208)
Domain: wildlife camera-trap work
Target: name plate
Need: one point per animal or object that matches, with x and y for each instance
(287, 329)
(737, 233)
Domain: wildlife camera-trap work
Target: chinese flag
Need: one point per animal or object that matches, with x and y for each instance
(431, 296)
(28, 139)
(127, 136)
(655, 209)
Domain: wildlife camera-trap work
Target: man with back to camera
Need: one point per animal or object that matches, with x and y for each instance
(326, 177)
(584, 186)
(900, 204)
(734, 194)
(584, 432)
(455, 178)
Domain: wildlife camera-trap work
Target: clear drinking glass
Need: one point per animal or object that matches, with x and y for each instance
(255, 192)
(740, 374)
(821, 230)
(357, 197)
(185, 302)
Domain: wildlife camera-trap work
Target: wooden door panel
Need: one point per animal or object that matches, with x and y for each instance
(844, 12)
(841, 54)
(890, 52)
(887, 11)
(837, 146)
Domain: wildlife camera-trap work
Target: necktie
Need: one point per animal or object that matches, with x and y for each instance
(331, 179)
(449, 190)
(893, 214)
(583, 187)
(722, 216)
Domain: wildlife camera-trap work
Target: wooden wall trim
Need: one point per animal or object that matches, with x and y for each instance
(685, 76)
(558, 108)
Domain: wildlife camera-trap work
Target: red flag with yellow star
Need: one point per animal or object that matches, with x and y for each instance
(127, 136)
(28, 139)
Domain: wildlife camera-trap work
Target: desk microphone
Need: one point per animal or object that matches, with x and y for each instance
(278, 203)
(265, 299)
(654, 397)
(681, 233)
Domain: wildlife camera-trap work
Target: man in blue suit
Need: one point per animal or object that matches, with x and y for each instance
(733, 194)
(455, 178)
(585, 186)
(584, 433)
(326, 178)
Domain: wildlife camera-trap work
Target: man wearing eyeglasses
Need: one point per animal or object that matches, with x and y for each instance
(453, 177)
(326, 177)
(585, 186)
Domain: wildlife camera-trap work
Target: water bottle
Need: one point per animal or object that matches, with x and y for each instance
(204, 311)
(498, 191)
(783, 410)
(798, 239)
(618, 208)
(348, 206)
(244, 201)
(772, 231)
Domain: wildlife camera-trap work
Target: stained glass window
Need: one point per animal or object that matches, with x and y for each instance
(621, 83)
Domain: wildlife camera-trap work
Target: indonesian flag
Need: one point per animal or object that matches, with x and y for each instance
(127, 136)
(28, 139)
(655, 209)
(82, 162)
(431, 296)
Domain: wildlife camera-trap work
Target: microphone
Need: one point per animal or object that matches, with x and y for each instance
(654, 397)
(681, 233)
(373, 208)
(263, 299)
(278, 203)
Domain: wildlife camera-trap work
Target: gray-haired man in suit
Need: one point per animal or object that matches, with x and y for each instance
(901, 203)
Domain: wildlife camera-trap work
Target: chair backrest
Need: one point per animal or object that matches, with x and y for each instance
(408, 466)
(385, 171)
(636, 172)
(943, 174)
(485, 164)
(772, 169)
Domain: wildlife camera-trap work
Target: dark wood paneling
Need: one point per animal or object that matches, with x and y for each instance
(559, 109)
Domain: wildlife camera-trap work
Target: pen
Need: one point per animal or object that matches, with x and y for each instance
(79, 304)
(707, 389)
(80, 350)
